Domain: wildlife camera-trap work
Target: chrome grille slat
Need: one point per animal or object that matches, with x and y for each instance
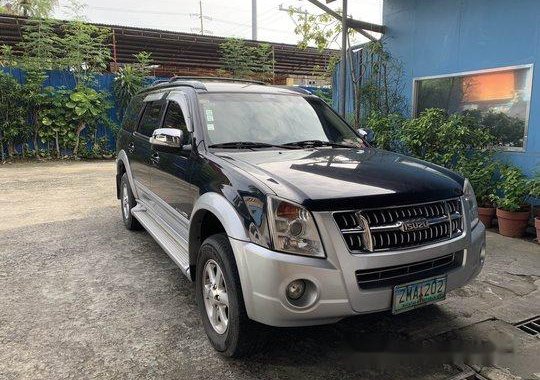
(383, 229)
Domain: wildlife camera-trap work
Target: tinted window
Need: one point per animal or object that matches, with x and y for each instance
(174, 118)
(131, 117)
(274, 119)
(150, 119)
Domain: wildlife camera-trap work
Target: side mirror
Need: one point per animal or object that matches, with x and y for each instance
(167, 139)
(367, 134)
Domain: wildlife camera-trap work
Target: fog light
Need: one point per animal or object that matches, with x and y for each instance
(296, 289)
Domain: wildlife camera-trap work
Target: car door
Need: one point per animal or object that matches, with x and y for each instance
(140, 148)
(171, 175)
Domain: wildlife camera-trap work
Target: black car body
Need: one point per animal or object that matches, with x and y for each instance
(315, 230)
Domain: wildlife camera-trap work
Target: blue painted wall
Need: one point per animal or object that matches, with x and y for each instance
(435, 37)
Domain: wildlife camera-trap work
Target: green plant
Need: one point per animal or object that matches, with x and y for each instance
(481, 170)
(32, 8)
(129, 80)
(535, 186)
(442, 139)
(320, 30)
(67, 113)
(513, 189)
(243, 61)
(386, 129)
(13, 126)
(85, 50)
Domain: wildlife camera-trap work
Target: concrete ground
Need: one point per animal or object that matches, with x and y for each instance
(81, 297)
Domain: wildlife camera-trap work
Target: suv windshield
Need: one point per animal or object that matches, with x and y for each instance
(273, 119)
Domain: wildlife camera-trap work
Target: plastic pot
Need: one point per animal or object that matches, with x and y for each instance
(537, 226)
(486, 215)
(512, 223)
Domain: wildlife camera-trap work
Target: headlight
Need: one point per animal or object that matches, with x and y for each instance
(293, 229)
(470, 201)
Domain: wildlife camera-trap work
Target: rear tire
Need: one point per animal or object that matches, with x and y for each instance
(127, 202)
(241, 335)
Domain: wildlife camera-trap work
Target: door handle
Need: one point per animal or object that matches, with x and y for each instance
(154, 158)
(131, 147)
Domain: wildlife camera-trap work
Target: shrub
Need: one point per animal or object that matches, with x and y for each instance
(65, 114)
(442, 139)
(13, 113)
(513, 189)
(481, 170)
(387, 130)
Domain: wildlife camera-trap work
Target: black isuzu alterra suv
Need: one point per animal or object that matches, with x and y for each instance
(282, 214)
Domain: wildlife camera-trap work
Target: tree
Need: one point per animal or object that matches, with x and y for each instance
(74, 47)
(375, 76)
(85, 50)
(243, 61)
(129, 80)
(322, 30)
(40, 51)
(29, 8)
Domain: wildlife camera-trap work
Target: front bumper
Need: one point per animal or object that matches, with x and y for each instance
(265, 274)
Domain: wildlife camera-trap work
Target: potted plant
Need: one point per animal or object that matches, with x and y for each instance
(535, 192)
(480, 169)
(512, 211)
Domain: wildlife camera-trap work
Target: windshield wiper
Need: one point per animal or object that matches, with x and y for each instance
(317, 143)
(248, 145)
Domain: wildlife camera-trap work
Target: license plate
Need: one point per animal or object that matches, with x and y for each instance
(418, 293)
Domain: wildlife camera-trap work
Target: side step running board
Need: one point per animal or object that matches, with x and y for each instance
(172, 243)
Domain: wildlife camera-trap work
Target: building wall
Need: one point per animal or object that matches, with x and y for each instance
(437, 37)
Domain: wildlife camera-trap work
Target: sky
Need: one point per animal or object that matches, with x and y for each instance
(228, 18)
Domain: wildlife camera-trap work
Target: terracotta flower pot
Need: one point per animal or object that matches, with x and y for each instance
(486, 215)
(512, 224)
(537, 226)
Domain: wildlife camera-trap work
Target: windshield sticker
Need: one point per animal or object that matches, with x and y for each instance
(210, 126)
(209, 116)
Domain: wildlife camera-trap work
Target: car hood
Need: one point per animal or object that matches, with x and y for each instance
(337, 178)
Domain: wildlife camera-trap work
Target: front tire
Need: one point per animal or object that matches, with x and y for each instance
(127, 202)
(220, 300)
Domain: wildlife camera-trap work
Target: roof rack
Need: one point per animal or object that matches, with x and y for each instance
(159, 81)
(217, 79)
(297, 89)
(193, 82)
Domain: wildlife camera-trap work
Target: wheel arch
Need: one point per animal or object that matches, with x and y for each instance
(122, 166)
(212, 213)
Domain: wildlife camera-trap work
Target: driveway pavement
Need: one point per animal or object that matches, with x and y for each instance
(81, 297)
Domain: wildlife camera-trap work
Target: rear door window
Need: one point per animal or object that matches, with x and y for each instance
(131, 117)
(150, 118)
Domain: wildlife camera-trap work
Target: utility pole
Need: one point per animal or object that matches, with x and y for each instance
(201, 18)
(343, 64)
(254, 20)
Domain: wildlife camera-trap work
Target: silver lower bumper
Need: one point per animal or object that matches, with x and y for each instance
(265, 274)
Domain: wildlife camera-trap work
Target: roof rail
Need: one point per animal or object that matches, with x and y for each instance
(193, 82)
(217, 79)
(159, 81)
(298, 89)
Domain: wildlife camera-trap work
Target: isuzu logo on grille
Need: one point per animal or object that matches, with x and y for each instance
(414, 225)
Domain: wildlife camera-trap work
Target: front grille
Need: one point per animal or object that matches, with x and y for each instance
(401, 274)
(400, 227)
